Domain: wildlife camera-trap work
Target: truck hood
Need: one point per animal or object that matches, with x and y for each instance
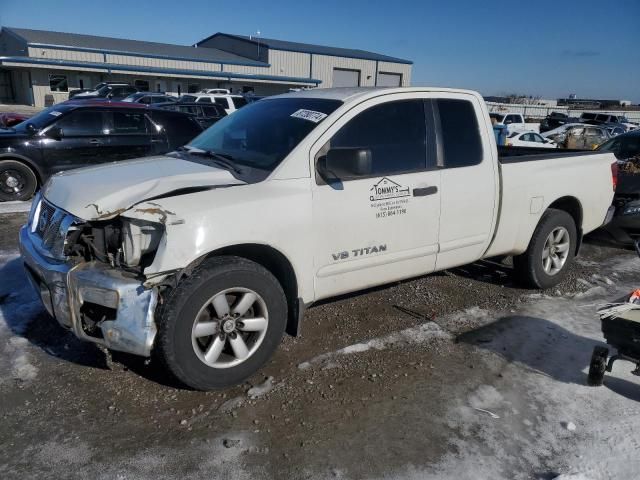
(105, 191)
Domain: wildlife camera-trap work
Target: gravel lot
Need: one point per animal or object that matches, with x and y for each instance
(459, 374)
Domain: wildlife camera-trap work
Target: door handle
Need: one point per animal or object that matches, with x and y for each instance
(95, 141)
(424, 191)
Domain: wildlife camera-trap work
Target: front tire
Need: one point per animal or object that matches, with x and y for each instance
(551, 251)
(221, 324)
(17, 181)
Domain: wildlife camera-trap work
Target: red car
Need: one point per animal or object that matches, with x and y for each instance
(11, 119)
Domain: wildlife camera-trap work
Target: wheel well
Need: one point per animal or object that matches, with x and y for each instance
(280, 267)
(26, 163)
(572, 206)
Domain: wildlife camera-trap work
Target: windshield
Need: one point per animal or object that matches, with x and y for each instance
(262, 134)
(44, 118)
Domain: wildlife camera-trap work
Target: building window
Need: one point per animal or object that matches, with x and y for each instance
(58, 83)
(141, 85)
(193, 88)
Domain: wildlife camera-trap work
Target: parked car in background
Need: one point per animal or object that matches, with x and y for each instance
(584, 138)
(230, 103)
(555, 120)
(625, 226)
(529, 139)
(107, 92)
(73, 93)
(579, 136)
(11, 119)
(513, 121)
(78, 134)
(614, 129)
(210, 253)
(606, 118)
(149, 98)
(205, 114)
(218, 91)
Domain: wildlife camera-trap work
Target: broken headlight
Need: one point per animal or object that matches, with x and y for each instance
(139, 238)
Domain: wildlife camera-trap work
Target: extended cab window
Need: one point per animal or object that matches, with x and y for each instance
(461, 142)
(81, 123)
(395, 132)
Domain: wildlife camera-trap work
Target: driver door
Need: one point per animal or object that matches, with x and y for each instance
(82, 139)
(382, 226)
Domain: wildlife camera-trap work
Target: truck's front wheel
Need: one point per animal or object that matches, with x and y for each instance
(222, 323)
(550, 251)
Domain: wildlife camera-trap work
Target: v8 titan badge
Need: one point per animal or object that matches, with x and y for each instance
(389, 198)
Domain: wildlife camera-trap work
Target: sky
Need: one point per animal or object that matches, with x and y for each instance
(540, 48)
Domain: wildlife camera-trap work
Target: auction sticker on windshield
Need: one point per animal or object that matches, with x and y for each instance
(310, 115)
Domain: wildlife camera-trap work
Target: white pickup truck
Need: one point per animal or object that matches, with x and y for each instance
(205, 256)
(514, 122)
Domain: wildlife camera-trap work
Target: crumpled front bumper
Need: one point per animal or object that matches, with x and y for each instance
(72, 293)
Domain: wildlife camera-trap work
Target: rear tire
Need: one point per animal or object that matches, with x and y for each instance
(598, 366)
(221, 324)
(17, 181)
(546, 261)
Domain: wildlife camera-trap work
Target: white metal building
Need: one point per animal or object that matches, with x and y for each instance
(39, 67)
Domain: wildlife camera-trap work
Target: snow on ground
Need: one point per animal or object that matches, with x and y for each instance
(413, 335)
(540, 411)
(18, 306)
(15, 207)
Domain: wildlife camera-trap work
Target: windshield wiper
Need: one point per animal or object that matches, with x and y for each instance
(221, 159)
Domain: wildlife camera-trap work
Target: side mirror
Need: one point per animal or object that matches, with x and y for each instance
(342, 163)
(55, 133)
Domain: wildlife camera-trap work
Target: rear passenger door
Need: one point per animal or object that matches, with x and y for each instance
(382, 226)
(469, 181)
(130, 135)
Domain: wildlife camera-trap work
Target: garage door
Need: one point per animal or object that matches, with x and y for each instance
(346, 78)
(389, 79)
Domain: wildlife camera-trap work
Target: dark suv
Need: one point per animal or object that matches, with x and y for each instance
(205, 114)
(79, 134)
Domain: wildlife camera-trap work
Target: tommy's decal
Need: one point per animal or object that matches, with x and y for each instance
(387, 188)
(389, 198)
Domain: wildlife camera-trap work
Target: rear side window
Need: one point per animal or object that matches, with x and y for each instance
(395, 132)
(211, 111)
(239, 101)
(461, 142)
(179, 128)
(222, 102)
(128, 123)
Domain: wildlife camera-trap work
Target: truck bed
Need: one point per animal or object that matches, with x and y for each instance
(530, 154)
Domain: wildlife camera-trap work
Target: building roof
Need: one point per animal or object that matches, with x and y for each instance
(93, 43)
(310, 48)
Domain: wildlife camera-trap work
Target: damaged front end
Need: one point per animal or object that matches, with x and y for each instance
(90, 274)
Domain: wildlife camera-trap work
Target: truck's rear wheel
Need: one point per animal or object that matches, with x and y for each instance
(222, 323)
(17, 181)
(551, 251)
